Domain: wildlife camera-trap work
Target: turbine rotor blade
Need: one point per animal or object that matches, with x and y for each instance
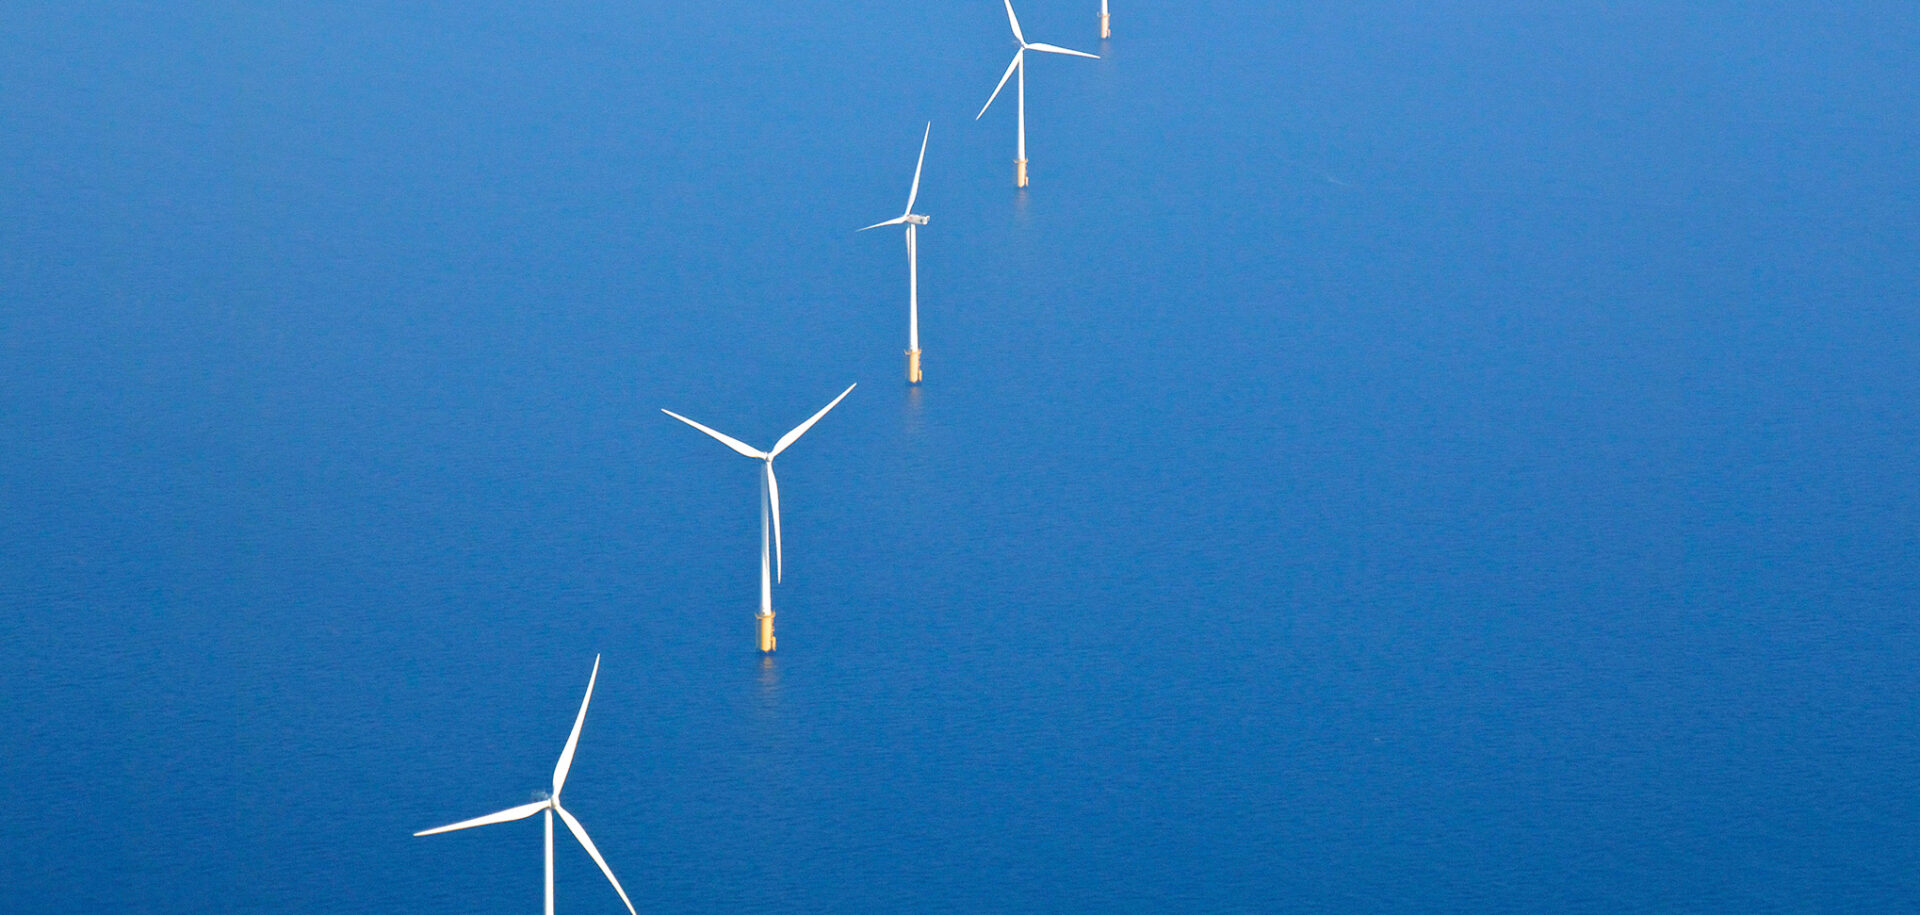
(1003, 82)
(891, 222)
(1015, 22)
(573, 740)
(773, 498)
(505, 816)
(724, 439)
(580, 832)
(766, 560)
(915, 190)
(801, 429)
(1056, 49)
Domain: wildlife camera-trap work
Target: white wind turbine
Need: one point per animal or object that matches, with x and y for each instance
(913, 222)
(1019, 63)
(769, 504)
(551, 805)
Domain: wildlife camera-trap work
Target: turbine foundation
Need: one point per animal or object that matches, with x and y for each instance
(766, 632)
(913, 366)
(1019, 173)
(1105, 32)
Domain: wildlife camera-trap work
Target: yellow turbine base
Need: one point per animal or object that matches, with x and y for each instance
(1105, 32)
(1019, 173)
(913, 366)
(766, 633)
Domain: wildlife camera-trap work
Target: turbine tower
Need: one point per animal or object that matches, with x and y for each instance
(1105, 31)
(1020, 64)
(769, 504)
(913, 223)
(551, 805)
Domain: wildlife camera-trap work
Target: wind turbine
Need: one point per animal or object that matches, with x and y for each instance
(1019, 63)
(769, 503)
(913, 223)
(1105, 32)
(551, 805)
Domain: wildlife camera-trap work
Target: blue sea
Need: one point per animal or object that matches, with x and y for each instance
(1396, 457)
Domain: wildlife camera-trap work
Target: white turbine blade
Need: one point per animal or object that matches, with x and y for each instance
(801, 429)
(773, 497)
(580, 832)
(726, 440)
(891, 222)
(766, 571)
(915, 191)
(1003, 83)
(1056, 49)
(573, 740)
(505, 816)
(1015, 21)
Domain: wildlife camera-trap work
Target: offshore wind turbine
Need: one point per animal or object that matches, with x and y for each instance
(769, 503)
(913, 222)
(550, 805)
(1020, 64)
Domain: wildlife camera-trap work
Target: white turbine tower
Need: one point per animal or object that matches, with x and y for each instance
(769, 504)
(551, 805)
(913, 222)
(1105, 31)
(1020, 64)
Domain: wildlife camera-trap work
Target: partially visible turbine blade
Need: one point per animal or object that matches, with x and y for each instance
(505, 816)
(1015, 20)
(773, 497)
(891, 222)
(580, 832)
(915, 191)
(801, 429)
(726, 440)
(1055, 49)
(766, 560)
(573, 740)
(1003, 82)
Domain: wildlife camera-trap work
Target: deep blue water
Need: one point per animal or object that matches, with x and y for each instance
(1396, 457)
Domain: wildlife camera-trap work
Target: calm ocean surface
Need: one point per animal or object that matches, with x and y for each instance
(1397, 457)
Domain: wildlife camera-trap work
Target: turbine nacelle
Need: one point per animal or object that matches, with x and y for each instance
(907, 215)
(772, 483)
(550, 803)
(1019, 63)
